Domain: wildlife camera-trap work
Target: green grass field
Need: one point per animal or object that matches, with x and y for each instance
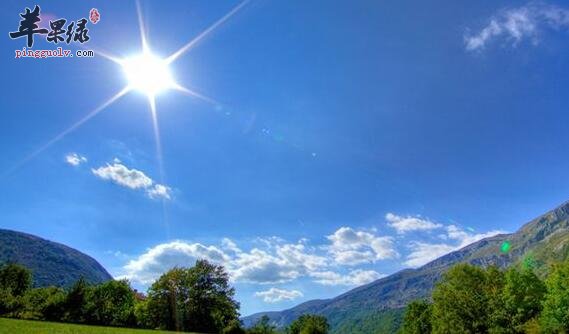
(13, 326)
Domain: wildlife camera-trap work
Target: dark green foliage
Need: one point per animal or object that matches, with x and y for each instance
(309, 324)
(43, 304)
(234, 327)
(15, 279)
(417, 319)
(263, 326)
(76, 302)
(111, 303)
(555, 315)
(195, 299)
(367, 321)
(51, 264)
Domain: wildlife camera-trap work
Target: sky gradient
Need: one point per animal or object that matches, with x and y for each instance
(346, 141)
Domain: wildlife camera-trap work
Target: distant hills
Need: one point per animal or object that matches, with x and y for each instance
(51, 263)
(377, 307)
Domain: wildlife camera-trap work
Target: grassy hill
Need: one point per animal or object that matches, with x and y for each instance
(51, 263)
(378, 306)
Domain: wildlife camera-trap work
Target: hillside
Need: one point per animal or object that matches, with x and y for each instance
(51, 263)
(541, 241)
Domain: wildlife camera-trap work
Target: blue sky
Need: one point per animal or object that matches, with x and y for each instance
(347, 140)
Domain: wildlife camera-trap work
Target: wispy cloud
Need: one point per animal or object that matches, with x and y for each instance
(403, 224)
(275, 295)
(517, 24)
(353, 278)
(75, 159)
(134, 179)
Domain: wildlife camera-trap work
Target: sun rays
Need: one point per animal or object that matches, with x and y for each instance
(148, 74)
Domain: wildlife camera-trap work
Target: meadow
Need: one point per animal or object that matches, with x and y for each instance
(43, 327)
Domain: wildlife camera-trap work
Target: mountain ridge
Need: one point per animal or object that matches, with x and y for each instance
(51, 263)
(540, 241)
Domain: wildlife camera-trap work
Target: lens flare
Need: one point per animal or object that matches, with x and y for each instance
(148, 74)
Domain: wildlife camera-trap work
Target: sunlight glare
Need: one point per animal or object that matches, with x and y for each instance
(148, 74)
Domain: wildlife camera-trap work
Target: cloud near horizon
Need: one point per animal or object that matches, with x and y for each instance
(277, 262)
(275, 295)
(347, 259)
(517, 24)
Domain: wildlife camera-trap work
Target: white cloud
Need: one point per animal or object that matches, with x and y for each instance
(408, 223)
(281, 264)
(122, 175)
(519, 23)
(274, 295)
(351, 247)
(134, 179)
(423, 253)
(75, 159)
(159, 191)
(159, 259)
(285, 263)
(353, 278)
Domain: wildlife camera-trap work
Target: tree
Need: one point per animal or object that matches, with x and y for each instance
(111, 303)
(75, 303)
(417, 318)
(193, 299)
(43, 304)
(234, 327)
(522, 296)
(263, 326)
(460, 301)
(309, 324)
(15, 279)
(555, 314)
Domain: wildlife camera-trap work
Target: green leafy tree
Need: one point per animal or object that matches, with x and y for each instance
(263, 326)
(460, 301)
(111, 303)
(498, 317)
(75, 303)
(234, 327)
(196, 299)
(43, 304)
(522, 296)
(15, 279)
(309, 324)
(417, 318)
(555, 314)
(141, 314)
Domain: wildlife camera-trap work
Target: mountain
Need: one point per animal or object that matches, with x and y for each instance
(51, 263)
(377, 307)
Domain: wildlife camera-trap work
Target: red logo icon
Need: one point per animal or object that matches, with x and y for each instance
(94, 15)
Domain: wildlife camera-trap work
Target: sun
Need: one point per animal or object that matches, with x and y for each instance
(148, 74)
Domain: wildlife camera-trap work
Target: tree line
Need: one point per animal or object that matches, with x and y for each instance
(197, 299)
(471, 299)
